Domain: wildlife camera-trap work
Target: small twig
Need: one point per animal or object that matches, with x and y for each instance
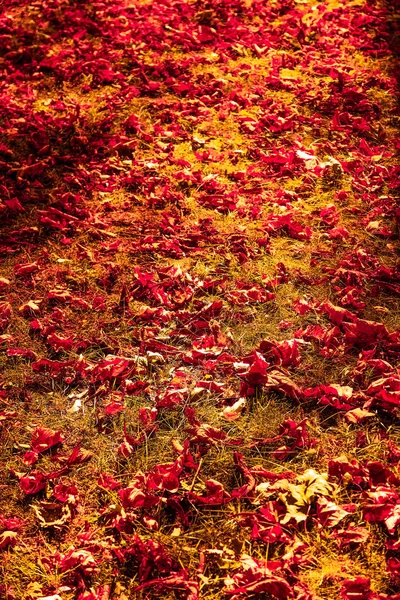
(195, 475)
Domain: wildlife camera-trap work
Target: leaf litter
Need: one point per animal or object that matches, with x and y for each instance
(199, 280)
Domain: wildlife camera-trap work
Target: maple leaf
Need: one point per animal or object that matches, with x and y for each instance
(33, 483)
(256, 577)
(52, 514)
(8, 539)
(232, 413)
(299, 497)
(357, 589)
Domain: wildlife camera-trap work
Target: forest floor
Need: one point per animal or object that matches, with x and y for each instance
(199, 300)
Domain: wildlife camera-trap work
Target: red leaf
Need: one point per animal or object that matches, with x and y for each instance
(177, 581)
(43, 439)
(108, 482)
(356, 589)
(8, 539)
(27, 269)
(33, 483)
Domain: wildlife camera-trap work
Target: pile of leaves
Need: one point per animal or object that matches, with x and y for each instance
(199, 300)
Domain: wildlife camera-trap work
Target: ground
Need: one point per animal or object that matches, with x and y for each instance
(199, 300)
